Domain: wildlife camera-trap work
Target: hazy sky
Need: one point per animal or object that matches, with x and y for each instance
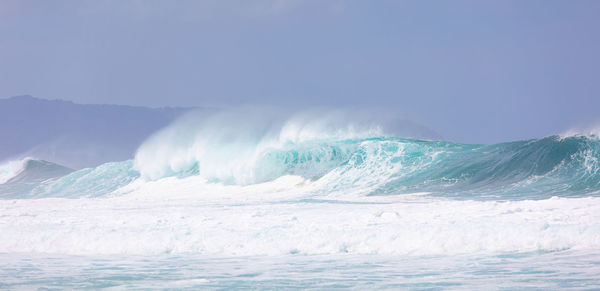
(476, 71)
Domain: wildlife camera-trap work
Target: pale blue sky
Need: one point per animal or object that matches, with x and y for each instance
(476, 71)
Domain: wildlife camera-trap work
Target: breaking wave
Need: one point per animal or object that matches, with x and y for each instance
(341, 153)
(318, 183)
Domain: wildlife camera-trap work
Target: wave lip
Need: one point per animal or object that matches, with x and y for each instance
(586, 131)
(29, 170)
(10, 169)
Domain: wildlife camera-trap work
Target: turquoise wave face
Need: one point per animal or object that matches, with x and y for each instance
(90, 182)
(532, 169)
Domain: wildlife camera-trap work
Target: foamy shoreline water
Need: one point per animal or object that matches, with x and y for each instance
(134, 225)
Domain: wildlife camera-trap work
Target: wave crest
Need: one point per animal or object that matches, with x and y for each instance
(247, 146)
(343, 153)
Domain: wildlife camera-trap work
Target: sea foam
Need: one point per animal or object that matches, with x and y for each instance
(146, 225)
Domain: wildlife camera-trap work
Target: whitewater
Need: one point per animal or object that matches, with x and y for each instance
(246, 199)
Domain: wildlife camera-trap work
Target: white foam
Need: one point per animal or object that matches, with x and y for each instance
(589, 131)
(153, 220)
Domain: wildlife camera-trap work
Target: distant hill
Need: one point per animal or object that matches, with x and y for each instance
(76, 135)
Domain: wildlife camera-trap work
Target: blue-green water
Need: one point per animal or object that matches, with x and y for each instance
(334, 213)
(532, 169)
(538, 271)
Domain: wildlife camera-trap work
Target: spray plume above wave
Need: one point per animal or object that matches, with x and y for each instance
(229, 146)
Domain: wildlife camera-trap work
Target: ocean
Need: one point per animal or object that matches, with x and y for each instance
(307, 203)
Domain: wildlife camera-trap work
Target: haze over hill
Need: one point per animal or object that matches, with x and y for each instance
(76, 135)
